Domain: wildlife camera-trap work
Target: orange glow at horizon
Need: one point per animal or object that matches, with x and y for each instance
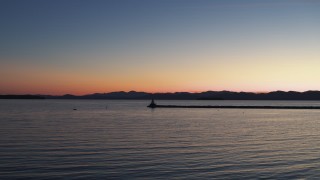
(174, 77)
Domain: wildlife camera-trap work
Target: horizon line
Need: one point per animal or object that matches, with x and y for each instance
(163, 92)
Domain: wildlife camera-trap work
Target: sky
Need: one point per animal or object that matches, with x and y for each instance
(93, 46)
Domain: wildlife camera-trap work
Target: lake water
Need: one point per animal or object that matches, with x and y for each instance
(48, 139)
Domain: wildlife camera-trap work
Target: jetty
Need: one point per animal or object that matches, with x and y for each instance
(154, 105)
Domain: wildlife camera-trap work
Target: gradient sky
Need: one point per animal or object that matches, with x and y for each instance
(80, 47)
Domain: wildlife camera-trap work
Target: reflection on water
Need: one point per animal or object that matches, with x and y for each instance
(46, 138)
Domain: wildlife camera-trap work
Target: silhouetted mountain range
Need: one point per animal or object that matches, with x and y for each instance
(208, 95)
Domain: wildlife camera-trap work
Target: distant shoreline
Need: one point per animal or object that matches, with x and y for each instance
(207, 95)
(21, 97)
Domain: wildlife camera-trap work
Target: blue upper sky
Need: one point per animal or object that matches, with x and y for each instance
(59, 25)
(156, 34)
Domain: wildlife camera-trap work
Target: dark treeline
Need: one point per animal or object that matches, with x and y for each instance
(21, 97)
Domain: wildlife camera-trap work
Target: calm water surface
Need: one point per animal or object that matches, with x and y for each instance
(47, 139)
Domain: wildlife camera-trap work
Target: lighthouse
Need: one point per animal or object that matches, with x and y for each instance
(152, 104)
